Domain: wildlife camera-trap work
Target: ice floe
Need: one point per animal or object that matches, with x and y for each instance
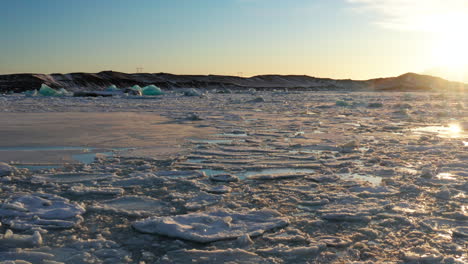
(214, 256)
(213, 226)
(26, 211)
(133, 205)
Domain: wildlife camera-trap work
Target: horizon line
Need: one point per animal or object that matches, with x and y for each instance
(243, 77)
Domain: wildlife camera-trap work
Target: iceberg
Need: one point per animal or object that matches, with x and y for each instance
(134, 90)
(136, 87)
(192, 92)
(31, 93)
(63, 92)
(112, 88)
(47, 91)
(152, 90)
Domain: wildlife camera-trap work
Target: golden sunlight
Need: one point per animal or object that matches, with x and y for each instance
(450, 46)
(454, 128)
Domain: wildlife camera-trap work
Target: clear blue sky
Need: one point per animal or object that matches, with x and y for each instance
(329, 38)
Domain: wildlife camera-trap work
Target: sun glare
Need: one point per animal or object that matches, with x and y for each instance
(450, 48)
(454, 128)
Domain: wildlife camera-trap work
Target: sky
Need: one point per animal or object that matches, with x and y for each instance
(357, 39)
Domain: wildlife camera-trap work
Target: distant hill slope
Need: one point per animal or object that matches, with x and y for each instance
(415, 82)
(98, 81)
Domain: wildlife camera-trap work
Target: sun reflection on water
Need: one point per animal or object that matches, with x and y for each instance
(446, 176)
(455, 128)
(452, 130)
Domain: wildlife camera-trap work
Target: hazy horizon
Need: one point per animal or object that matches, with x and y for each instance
(243, 76)
(339, 39)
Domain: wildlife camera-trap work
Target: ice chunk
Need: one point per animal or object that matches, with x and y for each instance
(216, 256)
(342, 103)
(180, 174)
(379, 191)
(202, 200)
(192, 92)
(26, 211)
(219, 189)
(152, 90)
(276, 176)
(212, 226)
(47, 91)
(22, 256)
(259, 99)
(5, 169)
(136, 87)
(375, 105)
(31, 93)
(350, 210)
(346, 216)
(78, 251)
(288, 236)
(16, 262)
(244, 241)
(11, 240)
(461, 232)
(63, 92)
(334, 241)
(138, 179)
(224, 178)
(83, 190)
(112, 88)
(350, 145)
(422, 255)
(133, 205)
(134, 90)
(194, 117)
(72, 177)
(293, 254)
(323, 178)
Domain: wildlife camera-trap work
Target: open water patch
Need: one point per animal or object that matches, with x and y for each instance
(85, 155)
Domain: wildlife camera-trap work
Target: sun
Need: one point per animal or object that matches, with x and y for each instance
(450, 49)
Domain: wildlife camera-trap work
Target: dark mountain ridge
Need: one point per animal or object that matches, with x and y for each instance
(99, 81)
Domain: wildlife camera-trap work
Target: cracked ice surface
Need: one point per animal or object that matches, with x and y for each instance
(354, 183)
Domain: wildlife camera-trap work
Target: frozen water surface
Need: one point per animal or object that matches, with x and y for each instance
(85, 155)
(382, 184)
